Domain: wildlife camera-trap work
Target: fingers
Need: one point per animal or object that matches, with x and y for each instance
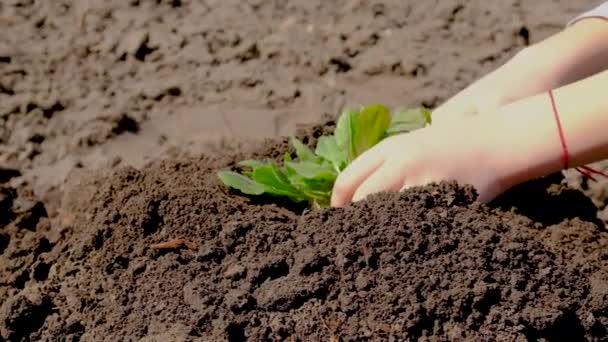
(486, 191)
(416, 182)
(355, 174)
(386, 178)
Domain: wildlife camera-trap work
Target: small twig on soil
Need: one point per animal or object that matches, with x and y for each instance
(174, 244)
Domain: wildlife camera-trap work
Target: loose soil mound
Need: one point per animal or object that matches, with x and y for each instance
(169, 254)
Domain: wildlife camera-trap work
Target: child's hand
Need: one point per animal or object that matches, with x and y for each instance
(582, 50)
(432, 154)
(522, 76)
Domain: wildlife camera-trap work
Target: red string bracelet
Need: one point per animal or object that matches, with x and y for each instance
(584, 170)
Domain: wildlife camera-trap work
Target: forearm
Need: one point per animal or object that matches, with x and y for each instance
(524, 140)
(577, 52)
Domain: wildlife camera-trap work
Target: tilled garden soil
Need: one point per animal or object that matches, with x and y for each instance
(169, 254)
(115, 116)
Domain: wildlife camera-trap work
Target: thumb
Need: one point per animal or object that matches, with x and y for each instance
(355, 174)
(386, 178)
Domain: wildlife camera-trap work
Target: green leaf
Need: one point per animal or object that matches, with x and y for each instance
(314, 180)
(346, 130)
(314, 186)
(313, 171)
(241, 183)
(407, 120)
(372, 124)
(286, 157)
(302, 151)
(276, 182)
(311, 174)
(428, 116)
(328, 149)
(251, 163)
(317, 191)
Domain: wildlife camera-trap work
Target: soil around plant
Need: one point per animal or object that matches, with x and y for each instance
(168, 253)
(114, 226)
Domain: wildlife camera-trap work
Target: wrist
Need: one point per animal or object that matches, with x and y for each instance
(527, 73)
(521, 140)
(539, 66)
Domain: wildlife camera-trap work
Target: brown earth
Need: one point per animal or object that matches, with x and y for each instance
(169, 254)
(162, 252)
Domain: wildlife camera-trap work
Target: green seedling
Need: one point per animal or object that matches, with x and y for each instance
(311, 174)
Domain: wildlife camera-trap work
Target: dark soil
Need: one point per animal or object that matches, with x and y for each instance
(428, 263)
(115, 116)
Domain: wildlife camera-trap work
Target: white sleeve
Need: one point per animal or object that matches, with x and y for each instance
(599, 12)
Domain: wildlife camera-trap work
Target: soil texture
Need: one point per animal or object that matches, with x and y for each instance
(169, 254)
(115, 116)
